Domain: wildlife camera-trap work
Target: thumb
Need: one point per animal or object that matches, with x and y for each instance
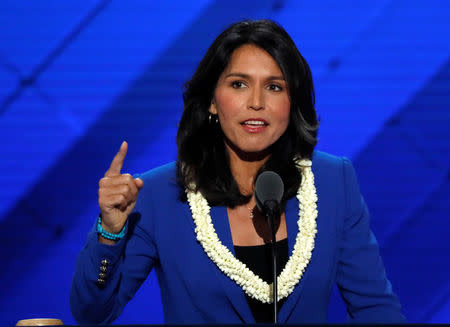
(139, 183)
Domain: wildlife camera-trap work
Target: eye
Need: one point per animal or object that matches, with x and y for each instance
(237, 84)
(275, 87)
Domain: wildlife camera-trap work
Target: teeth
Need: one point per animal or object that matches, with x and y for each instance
(254, 122)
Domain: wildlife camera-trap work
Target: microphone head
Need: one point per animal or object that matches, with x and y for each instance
(268, 187)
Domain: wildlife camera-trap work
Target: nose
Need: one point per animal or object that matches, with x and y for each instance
(256, 99)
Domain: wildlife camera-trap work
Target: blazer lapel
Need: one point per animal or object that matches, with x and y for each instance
(234, 292)
(291, 213)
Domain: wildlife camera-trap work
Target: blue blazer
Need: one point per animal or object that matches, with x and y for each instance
(161, 236)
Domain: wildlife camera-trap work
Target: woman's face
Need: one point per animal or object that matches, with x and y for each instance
(251, 100)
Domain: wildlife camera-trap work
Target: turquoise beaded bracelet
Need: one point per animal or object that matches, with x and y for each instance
(108, 235)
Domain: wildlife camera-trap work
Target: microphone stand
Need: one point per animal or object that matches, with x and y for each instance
(271, 214)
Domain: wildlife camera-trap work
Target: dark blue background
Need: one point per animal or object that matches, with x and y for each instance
(78, 77)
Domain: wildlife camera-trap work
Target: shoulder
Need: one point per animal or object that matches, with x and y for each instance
(162, 178)
(160, 191)
(334, 172)
(328, 164)
(159, 174)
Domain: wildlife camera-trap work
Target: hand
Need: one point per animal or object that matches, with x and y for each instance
(117, 193)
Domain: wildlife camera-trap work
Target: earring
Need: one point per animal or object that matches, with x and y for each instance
(213, 119)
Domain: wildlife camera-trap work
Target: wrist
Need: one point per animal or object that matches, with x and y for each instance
(111, 229)
(109, 234)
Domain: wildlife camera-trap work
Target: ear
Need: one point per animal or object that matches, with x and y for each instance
(212, 108)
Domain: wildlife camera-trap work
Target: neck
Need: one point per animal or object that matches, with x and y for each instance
(244, 167)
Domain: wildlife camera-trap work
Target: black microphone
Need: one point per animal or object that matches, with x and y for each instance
(269, 189)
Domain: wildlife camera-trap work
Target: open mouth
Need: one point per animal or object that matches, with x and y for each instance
(254, 125)
(255, 122)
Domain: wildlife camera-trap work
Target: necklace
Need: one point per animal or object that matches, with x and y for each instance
(251, 214)
(253, 285)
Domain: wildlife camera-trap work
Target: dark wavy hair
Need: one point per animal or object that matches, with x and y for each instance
(203, 163)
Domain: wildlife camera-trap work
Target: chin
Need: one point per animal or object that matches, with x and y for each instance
(254, 151)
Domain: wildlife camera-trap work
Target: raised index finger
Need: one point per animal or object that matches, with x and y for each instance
(117, 163)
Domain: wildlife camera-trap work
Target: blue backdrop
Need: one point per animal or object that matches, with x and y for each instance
(77, 78)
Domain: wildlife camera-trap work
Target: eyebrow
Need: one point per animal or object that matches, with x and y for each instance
(270, 78)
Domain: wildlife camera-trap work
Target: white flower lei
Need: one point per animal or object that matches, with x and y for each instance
(253, 285)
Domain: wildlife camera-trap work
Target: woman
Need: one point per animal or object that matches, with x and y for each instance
(248, 108)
